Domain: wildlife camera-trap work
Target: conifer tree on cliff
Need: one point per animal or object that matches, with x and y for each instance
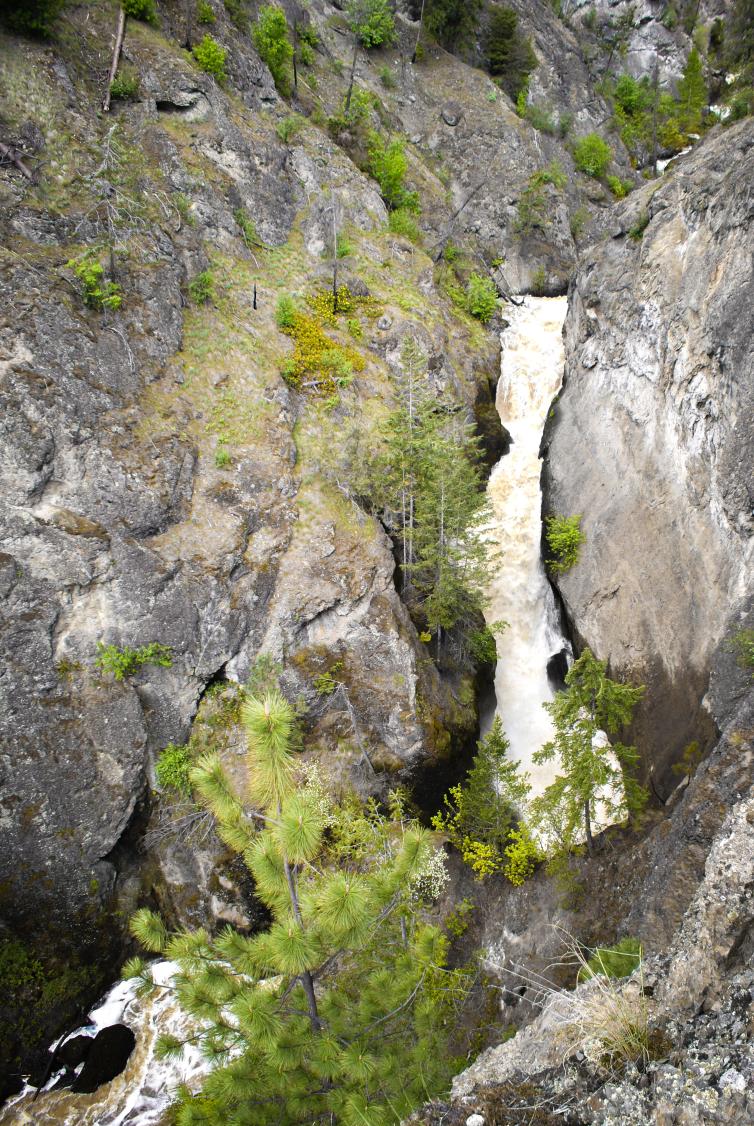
(340, 1012)
(591, 770)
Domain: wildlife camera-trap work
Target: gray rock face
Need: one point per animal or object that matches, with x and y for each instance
(652, 437)
(117, 524)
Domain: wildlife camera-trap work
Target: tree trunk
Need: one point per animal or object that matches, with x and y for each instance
(655, 107)
(119, 33)
(418, 34)
(295, 56)
(9, 153)
(306, 978)
(353, 72)
(588, 828)
(334, 256)
(189, 24)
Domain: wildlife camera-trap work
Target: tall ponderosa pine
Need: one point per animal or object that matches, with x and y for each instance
(592, 770)
(340, 1012)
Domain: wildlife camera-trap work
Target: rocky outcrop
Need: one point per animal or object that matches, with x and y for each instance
(120, 526)
(652, 439)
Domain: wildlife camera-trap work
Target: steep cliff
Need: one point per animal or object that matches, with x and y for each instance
(652, 438)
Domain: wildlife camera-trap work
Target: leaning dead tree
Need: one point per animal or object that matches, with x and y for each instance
(10, 155)
(440, 244)
(120, 31)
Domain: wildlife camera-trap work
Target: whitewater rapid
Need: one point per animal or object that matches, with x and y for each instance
(531, 376)
(141, 1094)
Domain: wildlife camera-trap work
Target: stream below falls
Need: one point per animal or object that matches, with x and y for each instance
(531, 373)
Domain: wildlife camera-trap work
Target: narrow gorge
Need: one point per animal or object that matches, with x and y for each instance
(376, 623)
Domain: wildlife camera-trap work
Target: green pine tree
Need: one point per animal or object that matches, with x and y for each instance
(590, 771)
(483, 809)
(341, 1011)
(692, 94)
(451, 558)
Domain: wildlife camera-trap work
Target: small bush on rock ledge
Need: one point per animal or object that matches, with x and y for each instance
(592, 155)
(564, 539)
(210, 57)
(481, 297)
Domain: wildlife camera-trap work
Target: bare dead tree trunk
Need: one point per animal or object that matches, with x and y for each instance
(419, 33)
(7, 152)
(353, 71)
(334, 255)
(655, 108)
(189, 24)
(451, 222)
(119, 33)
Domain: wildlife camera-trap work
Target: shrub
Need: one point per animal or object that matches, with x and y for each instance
(388, 165)
(205, 13)
(289, 127)
(402, 221)
(639, 227)
(372, 22)
(140, 10)
(742, 644)
(210, 57)
(354, 115)
(387, 78)
(97, 293)
(222, 457)
(521, 856)
(619, 188)
(592, 155)
(125, 84)
(613, 961)
(578, 221)
(306, 54)
(248, 228)
(540, 118)
(238, 13)
(532, 210)
(33, 17)
(271, 40)
(201, 288)
(481, 297)
(285, 312)
(124, 662)
(172, 768)
(326, 683)
(564, 539)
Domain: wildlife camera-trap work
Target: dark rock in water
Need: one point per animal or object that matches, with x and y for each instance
(74, 1051)
(65, 1079)
(557, 667)
(107, 1058)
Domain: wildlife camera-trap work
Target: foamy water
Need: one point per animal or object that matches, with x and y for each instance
(531, 375)
(141, 1094)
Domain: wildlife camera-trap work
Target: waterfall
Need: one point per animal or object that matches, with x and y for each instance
(531, 375)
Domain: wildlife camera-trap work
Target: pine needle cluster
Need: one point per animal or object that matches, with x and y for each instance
(342, 1010)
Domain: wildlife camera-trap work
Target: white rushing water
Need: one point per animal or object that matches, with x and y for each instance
(138, 1096)
(531, 375)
